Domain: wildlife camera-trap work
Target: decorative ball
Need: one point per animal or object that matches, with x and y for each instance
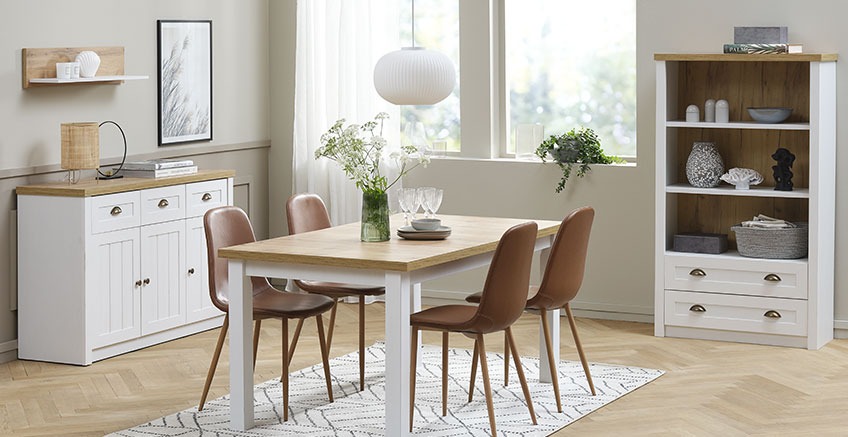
(704, 166)
(89, 63)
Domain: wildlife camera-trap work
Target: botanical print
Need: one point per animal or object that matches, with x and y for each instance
(185, 81)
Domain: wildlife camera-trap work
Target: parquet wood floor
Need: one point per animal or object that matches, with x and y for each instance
(710, 389)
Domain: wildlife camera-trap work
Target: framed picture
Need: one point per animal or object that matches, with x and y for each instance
(185, 81)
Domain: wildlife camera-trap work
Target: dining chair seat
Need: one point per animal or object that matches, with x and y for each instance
(445, 317)
(560, 284)
(335, 289)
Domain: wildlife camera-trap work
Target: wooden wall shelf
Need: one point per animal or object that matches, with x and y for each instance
(39, 66)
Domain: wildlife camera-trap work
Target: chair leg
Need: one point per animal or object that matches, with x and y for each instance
(486, 385)
(361, 343)
(444, 373)
(413, 369)
(332, 326)
(285, 370)
(256, 326)
(324, 355)
(506, 361)
(473, 372)
(520, 370)
(579, 347)
(214, 364)
(551, 365)
(295, 337)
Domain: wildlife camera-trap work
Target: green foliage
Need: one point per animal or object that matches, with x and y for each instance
(575, 147)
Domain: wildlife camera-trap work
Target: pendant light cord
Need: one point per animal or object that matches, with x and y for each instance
(413, 23)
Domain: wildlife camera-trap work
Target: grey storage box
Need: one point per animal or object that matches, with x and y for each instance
(698, 242)
(761, 35)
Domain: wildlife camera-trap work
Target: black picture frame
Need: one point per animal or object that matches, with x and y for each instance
(184, 53)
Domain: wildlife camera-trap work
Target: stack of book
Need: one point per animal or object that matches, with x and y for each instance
(158, 168)
(762, 40)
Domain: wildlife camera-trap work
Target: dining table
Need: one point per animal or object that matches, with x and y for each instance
(336, 254)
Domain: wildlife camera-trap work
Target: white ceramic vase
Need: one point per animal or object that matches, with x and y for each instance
(89, 63)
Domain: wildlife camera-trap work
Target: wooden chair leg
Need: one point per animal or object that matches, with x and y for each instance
(473, 372)
(551, 365)
(324, 355)
(444, 373)
(214, 364)
(295, 337)
(286, 370)
(577, 343)
(506, 361)
(486, 385)
(332, 326)
(413, 369)
(256, 326)
(520, 370)
(361, 343)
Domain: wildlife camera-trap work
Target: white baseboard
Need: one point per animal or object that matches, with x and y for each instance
(840, 329)
(8, 346)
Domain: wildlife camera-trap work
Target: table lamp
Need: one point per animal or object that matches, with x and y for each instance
(80, 148)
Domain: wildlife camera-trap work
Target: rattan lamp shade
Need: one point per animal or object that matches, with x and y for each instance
(80, 146)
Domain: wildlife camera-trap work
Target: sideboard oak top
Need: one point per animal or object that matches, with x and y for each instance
(96, 187)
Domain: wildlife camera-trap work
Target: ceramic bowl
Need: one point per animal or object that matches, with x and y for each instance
(426, 224)
(769, 115)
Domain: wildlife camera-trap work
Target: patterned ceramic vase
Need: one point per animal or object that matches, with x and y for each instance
(704, 166)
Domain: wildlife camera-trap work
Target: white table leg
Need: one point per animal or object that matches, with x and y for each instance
(241, 348)
(398, 335)
(553, 325)
(416, 306)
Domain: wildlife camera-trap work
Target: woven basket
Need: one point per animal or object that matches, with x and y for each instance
(787, 243)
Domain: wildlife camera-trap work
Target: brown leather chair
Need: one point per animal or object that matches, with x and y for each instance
(305, 213)
(501, 304)
(560, 284)
(230, 226)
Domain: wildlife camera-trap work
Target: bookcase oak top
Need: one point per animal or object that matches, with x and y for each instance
(95, 187)
(745, 57)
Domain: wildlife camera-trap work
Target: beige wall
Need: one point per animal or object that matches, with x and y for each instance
(30, 119)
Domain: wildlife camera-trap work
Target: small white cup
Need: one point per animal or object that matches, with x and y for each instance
(75, 74)
(65, 70)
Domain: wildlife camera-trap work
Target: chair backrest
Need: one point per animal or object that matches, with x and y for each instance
(226, 226)
(306, 212)
(567, 261)
(505, 291)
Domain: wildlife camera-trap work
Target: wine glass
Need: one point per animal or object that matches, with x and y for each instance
(426, 194)
(404, 206)
(436, 201)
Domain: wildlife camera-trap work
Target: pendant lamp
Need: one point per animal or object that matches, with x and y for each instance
(414, 75)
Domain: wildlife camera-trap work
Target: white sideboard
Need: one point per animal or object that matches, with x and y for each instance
(107, 267)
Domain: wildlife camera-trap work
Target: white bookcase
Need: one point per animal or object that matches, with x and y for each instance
(727, 296)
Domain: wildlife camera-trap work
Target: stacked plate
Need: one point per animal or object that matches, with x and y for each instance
(411, 233)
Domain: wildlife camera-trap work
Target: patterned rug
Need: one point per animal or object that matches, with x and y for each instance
(357, 413)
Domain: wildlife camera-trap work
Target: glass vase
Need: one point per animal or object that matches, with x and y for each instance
(375, 216)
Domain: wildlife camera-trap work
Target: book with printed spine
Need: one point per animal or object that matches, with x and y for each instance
(161, 173)
(158, 164)
(762, 49)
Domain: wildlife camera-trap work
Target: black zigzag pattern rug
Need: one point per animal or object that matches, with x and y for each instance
(358, 414)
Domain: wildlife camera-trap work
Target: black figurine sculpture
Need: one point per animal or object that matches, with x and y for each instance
(782, 172)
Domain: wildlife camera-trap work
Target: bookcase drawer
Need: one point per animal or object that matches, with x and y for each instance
(752, 277)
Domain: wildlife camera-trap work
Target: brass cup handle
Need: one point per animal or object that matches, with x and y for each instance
(146, 281)
(771, 277)
(116, 210)
(697, 308)
(206, 197)
(772, 314)
(698, 272)
(163, 203)
(138, 283)
(191, 271)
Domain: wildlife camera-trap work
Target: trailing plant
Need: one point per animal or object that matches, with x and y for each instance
(575, 147)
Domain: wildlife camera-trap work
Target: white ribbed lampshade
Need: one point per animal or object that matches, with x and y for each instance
(414, 76)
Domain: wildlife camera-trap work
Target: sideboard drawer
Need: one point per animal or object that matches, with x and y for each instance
(163, 204)
(203, 196)
(736, 313)
(115, 211)
(753, 277)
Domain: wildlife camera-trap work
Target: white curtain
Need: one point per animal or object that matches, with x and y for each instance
(338, 43)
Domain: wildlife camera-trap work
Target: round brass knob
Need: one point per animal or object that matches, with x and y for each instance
(116, 210)
(771, 277)
(191, 271)
(698, 272)
(697, 308)
(146, 281)
(163, 203)
(772, 314)
(138, 283)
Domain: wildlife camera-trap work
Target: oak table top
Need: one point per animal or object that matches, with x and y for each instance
(340, 246)
(98, 187)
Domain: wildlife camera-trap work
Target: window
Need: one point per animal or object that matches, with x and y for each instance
(570, 64)
(436, 28)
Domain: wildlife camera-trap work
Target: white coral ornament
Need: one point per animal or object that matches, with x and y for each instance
(742, 178)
